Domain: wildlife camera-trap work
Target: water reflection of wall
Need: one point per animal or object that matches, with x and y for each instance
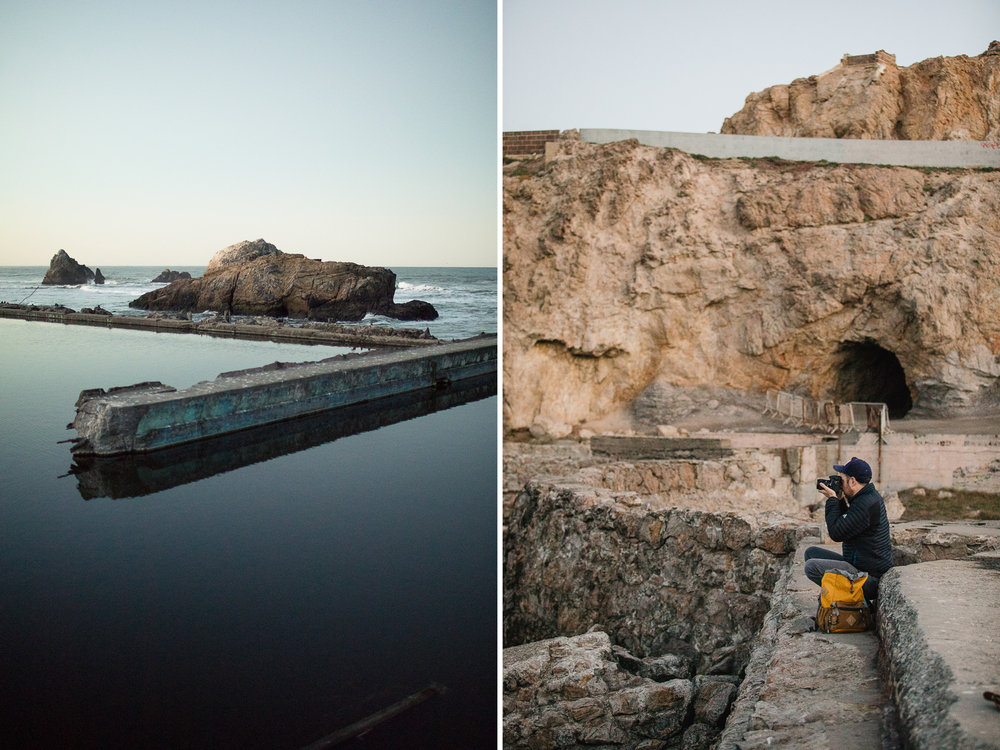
(145, 473)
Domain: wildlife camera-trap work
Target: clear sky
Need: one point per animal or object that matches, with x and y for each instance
(148, 132)
(686, 66)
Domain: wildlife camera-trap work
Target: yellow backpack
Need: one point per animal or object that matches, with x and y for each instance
(842, 605)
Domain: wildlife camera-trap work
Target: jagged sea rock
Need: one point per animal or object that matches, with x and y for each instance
(256, 278)
(98, 276)
(167, 276)
(65, 271)
(868, 96)
(628, 268)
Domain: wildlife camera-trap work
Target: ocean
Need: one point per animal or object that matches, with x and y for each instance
(258, 592)
(465, 298)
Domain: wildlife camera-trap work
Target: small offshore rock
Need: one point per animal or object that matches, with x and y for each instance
(167, 276)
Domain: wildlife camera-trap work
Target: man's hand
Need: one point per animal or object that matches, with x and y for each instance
(824, 489)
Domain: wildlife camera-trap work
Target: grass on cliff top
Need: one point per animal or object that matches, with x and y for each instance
(949, 505)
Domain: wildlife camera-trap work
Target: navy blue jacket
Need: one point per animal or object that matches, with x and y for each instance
(863, 528)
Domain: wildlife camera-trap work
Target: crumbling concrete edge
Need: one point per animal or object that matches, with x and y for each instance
(917, 676)
(738, 723)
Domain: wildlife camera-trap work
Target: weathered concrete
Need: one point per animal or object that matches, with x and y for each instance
(639, 448)
(841, 150)
(150, 416)
(145, 473)
(807, 689)
(331, 334)
(941, 633)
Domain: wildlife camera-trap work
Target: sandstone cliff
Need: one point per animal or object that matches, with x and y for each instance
(630, 268)
(943, 98)
(256, 278)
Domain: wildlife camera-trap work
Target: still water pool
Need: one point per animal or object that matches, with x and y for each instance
(261, 607)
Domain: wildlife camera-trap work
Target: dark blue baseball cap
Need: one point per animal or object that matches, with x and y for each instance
(856, 468)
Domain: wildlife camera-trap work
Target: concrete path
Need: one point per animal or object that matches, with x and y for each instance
(806, 689)
(939, 627)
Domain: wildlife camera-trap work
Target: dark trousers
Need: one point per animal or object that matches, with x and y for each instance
(819, 560)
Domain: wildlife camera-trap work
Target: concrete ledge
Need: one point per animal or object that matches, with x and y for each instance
(333, 335)
(806, 689)
(151, 416)
(940, 628)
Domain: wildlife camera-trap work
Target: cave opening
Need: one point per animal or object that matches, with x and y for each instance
(868, 372)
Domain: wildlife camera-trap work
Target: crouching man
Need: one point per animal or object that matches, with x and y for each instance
(859, 521)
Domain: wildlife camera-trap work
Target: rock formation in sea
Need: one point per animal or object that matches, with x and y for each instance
(631, 269)
(98, 277)
(167, 276)
(65, 271)
(868, 96)
(256, 278)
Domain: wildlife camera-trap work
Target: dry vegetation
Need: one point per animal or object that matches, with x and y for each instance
(949, 505)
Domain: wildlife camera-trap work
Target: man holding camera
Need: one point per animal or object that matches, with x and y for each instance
(859, 521)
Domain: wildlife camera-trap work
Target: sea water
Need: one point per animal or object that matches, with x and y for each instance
(263, 606)
(465, 298)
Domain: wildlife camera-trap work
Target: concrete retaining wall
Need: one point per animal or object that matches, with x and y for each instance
(152, 416)
(842, 150)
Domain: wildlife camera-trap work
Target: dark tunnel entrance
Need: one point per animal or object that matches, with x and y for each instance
(867, 372)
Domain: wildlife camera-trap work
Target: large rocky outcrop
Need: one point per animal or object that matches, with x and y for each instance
(629, 268)
(256, 278)
(65, 271)
(868, 96)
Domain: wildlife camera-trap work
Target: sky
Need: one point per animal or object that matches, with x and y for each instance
(686, 66)
(144, 132)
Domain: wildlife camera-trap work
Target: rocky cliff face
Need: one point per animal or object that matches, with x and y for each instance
(943, 98)
(629, 269)
(256, 278)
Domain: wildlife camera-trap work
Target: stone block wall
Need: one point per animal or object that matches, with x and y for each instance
(658, 581)
(525, 142)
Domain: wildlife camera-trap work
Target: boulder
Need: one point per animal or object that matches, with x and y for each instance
(64, 271)
(98, 277)
(256, 278)
(167, 276)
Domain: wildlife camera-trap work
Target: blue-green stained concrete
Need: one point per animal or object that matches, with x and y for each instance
(153, 416)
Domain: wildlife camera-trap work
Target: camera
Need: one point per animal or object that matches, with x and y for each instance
(835, 482)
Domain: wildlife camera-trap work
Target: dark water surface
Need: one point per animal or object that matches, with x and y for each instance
(262, 607)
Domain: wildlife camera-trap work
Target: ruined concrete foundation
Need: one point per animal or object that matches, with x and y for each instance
(631, 622)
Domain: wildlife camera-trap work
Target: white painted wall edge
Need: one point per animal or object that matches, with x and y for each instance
(841, 150)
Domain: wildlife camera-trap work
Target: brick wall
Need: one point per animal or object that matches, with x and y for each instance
(523, 142)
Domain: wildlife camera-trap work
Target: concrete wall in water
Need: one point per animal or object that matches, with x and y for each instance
(153, 416)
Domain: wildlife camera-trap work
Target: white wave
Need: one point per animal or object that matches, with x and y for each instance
(408, 287)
